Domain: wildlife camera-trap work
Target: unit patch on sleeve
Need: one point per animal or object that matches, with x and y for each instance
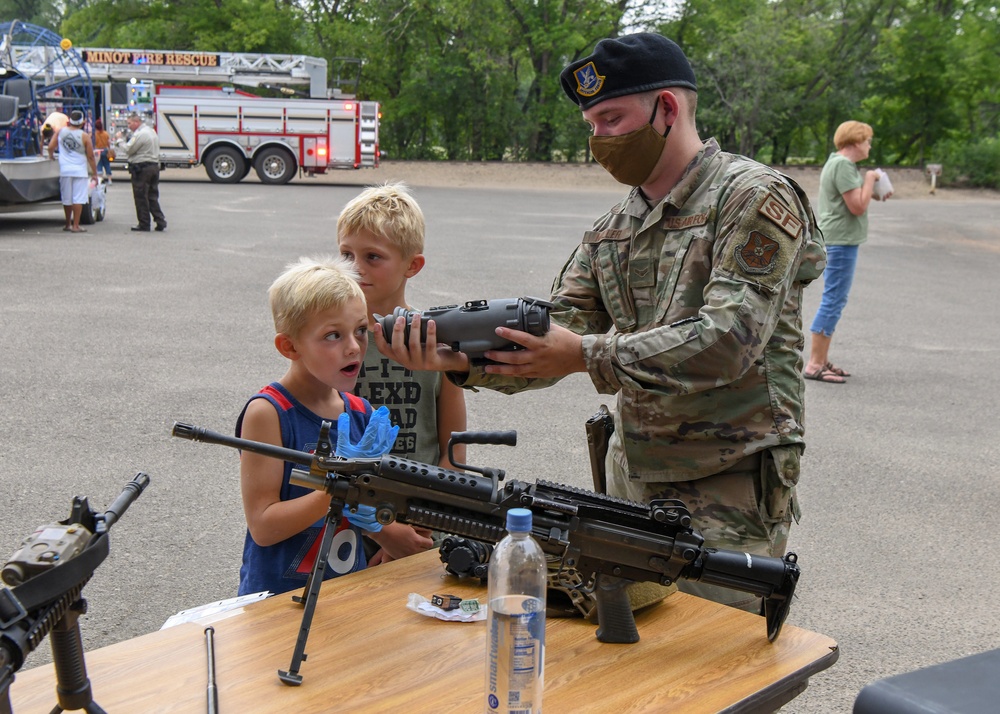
(756, 255)
(752, 241)
(781, 216)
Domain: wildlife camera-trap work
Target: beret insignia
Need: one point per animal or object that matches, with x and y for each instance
(588, 81)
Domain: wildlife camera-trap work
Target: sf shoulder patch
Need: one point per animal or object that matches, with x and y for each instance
(756, 255)
(774, 209)
(588, 81)
(756, 237)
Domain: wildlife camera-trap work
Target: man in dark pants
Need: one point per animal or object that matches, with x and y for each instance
(143, 152)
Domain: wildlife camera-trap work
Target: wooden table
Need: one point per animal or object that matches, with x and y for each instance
(368, 653)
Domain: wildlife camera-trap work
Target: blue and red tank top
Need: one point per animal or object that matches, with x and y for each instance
(286, 565)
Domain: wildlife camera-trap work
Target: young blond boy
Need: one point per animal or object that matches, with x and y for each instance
(382, 232)
(321, 322)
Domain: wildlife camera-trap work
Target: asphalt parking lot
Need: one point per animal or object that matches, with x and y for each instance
(109, 337)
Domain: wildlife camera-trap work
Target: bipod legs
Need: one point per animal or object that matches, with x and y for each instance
(310, 595)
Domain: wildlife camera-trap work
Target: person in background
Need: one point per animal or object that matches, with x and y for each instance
(72, 147)
(52, 124)
(684, 300)
(844, 196)
(102, 143)
(142, 149)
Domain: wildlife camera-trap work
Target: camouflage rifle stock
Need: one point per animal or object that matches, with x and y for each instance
(609, 540)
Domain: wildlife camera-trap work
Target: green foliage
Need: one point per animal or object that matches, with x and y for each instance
(975, 164)
(478, 79)
(208, 25)
(44, 13)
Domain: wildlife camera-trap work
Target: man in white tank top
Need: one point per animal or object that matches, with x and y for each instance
(76, 165)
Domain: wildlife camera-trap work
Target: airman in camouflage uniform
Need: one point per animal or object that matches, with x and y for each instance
(687, 307)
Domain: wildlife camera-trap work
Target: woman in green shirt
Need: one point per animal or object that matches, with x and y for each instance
(844, 196)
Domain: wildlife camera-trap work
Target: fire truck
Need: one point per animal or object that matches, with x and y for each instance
(201, 118)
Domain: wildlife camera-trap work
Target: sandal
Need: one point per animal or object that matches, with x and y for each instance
(824, 375)
(829, 367)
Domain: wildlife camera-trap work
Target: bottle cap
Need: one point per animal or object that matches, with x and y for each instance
(518, 519)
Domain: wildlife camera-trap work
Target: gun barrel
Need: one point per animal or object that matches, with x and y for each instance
(196, 433)
(133, 489)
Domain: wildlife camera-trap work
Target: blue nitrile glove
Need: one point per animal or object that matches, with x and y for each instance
(364, 519)
(377, 440)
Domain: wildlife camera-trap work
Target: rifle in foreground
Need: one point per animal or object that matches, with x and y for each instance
(609, 540)
(43, 595)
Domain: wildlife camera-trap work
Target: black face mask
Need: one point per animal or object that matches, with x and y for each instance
(631, 158)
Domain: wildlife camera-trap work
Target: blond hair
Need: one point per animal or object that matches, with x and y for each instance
(389, 211)
(850, 133)
(309, 286)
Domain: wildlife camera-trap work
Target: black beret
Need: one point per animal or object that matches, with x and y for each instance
(627, 65)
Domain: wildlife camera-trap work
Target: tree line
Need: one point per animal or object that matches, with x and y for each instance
(478, 79)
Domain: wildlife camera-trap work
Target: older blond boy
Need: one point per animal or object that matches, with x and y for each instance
(382, 232)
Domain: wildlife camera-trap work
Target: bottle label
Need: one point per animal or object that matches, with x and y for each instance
(516, 655)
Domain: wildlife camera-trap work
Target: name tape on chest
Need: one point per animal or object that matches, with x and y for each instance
(616, 234)
(779, 214)
(674, 223)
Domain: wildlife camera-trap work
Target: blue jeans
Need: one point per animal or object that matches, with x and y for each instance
(104, 163)
(837, 279)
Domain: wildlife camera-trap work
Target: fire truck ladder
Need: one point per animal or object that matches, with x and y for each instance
(252, 69)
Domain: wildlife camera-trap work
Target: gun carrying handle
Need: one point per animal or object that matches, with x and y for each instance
(616, 624)
(503, 438)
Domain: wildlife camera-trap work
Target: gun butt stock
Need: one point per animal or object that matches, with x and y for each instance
(773, 579)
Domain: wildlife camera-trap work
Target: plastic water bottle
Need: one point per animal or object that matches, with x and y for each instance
(515, 621)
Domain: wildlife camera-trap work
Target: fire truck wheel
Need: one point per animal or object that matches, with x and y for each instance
(225, 165)
(274, 165)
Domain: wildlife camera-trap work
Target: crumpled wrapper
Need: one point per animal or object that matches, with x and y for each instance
(421, 605)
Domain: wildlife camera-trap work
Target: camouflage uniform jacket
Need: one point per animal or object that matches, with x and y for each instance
(691, 313)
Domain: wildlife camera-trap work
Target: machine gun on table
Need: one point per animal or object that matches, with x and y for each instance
(609, 540)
